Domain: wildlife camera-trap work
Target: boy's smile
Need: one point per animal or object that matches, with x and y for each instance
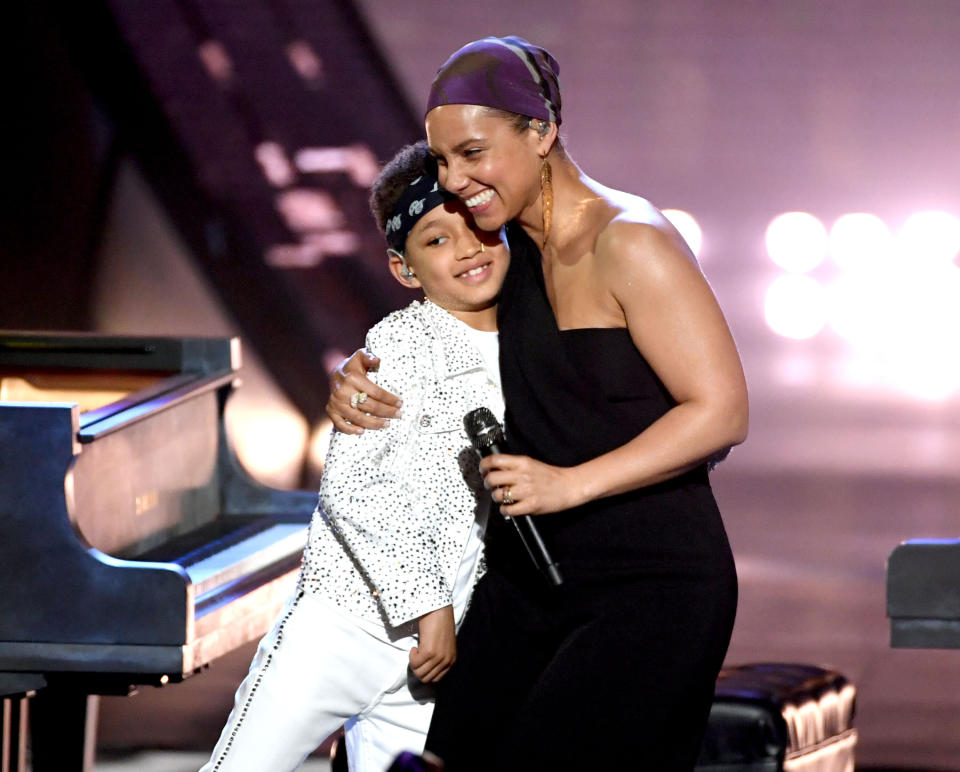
(459, 267)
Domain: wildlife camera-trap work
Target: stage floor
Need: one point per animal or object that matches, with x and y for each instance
(175, 761)
(811, 552)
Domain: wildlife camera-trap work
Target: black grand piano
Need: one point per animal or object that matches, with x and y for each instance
(134, 549)
(923, 594)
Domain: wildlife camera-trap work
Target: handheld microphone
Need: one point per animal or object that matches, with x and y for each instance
(486, 434)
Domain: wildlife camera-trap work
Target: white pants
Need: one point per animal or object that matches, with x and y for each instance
(316, 670)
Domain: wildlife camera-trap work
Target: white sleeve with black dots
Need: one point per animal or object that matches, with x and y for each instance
(371, 492)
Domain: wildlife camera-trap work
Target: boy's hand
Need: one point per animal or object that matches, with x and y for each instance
(437, 651)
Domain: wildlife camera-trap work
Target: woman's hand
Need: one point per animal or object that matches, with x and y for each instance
(348, 408)
(534, 488)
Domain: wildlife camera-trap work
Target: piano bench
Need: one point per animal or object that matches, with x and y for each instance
(776, 716)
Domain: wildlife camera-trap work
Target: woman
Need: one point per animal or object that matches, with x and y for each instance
(621, 380)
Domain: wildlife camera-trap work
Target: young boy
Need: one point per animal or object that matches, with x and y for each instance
(395, 543)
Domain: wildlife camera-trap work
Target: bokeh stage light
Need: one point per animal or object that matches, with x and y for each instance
(860, 242)
(930, 237)
(894, 300)
(795, 306)
(796, 241)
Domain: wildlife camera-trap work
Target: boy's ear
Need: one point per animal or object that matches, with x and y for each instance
(399, 268)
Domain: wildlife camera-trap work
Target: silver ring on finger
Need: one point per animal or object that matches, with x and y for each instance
(358, 399)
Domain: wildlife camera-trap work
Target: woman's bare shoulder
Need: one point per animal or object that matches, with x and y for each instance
(630, 223)
(640, 238)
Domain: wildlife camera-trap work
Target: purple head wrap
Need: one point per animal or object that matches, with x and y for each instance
(508, 73)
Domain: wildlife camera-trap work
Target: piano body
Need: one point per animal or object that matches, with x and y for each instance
(134, 549)
(923, 594)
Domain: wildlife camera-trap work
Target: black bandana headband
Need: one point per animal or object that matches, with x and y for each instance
(421, 196)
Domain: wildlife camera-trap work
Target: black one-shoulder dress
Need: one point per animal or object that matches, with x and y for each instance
(615, 668)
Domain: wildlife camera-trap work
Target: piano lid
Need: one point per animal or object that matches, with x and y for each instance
(65, 351)
(113, 379)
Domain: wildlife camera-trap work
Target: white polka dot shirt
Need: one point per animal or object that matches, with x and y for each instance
(397, 505)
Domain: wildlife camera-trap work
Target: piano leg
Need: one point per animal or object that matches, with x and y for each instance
(13, 747)
(16, 689)
(63, 730)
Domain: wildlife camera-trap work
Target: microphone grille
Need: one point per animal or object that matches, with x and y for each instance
(480, 421)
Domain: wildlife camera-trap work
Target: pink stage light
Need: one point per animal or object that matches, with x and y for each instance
(271, 441)
(356, 161)
(903, 323)
(305, 210)
(305, 60)
(859, 306)
(895, 300)
(319, 444)
(796, 241)
(216, 59)
(275, 165)
(926, 340)
(795, 306)
(688, 227)
(860, 242)
(931, 237)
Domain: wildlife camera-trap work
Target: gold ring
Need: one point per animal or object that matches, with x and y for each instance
(507, 496)
(358, 399)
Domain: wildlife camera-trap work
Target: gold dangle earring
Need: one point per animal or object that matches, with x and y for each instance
(546, 197)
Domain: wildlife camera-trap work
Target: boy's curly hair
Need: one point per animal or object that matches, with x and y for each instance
(411, 162)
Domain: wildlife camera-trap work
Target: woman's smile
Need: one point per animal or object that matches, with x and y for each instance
(480, 200)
